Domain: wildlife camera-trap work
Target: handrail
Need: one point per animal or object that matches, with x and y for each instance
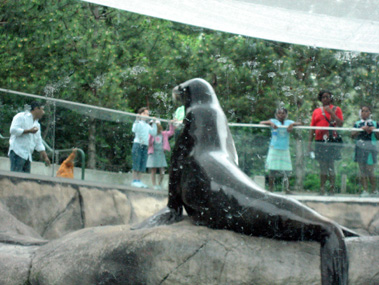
(302, 127)
(124, 114)
(57, 151)
(92, 109)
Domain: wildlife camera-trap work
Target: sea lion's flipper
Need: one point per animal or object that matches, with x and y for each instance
(166, 216)
(348, 232)
(334, 260)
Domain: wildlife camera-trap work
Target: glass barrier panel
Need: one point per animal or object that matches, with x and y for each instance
(107, 158)
(253, 143)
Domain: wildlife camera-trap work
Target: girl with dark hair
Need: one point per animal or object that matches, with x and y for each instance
(156, 159)
(365, 148)
(278, 158)
(325, 152)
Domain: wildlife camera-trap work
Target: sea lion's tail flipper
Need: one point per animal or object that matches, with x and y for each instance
(166, 216)
(334, 260)
(349, 233)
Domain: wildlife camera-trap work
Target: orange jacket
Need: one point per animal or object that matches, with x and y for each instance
(67, 167)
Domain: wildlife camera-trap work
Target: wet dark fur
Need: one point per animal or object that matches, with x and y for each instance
(206, 181)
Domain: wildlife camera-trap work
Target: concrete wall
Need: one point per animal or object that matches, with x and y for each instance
(357, 213)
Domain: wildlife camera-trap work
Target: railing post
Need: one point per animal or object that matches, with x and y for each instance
(83, 162)
(57, 151)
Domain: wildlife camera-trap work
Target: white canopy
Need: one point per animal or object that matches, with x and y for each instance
(337, 24)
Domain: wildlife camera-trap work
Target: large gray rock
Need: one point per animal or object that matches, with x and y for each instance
(55, 209)
(374, 226)
(15, 262)
(50, 209)
(186, 254)
(16, 251)
(34, 210)
(357, 216)
(145, 205)
(109, 207)
(12, 231)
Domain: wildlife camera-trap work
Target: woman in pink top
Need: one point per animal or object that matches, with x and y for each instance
(156, 159)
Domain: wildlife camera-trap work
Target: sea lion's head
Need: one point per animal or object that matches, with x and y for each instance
(194, 92)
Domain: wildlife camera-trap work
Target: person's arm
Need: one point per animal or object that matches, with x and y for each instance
(135, 125)
(368, 129)
(44, 157)
(151, 140)
(31, 131)
(153, 130)
(17, 127)
(269, 123)
(40, 147)
(354, 134)
(335, 115)
(377, 133)
(290, 127)
(171, 130)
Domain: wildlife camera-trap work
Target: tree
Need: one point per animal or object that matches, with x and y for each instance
(105, 57)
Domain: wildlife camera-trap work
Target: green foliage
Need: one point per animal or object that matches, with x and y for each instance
(87, 53)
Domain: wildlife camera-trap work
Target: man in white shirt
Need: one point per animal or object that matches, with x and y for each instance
(25, 138)
(142, 130)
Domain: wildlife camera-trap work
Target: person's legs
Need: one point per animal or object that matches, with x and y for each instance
(136, 178)
(286, 182)
(332, 177)
(143, 161)
(153, 171)
(18, 164)
(271, 180)
(323, 176)
(161, 176)
(362, 176)
(134, 175)
(371, 177)
(136, 158)
(321, 152)
(27, 167)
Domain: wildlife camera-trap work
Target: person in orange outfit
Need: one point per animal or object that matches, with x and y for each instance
(66, 169)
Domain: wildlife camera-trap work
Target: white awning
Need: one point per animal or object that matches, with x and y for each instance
(336, 24)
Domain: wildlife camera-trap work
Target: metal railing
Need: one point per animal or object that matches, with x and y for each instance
(3, 138)
(56, 153)
(67, 150)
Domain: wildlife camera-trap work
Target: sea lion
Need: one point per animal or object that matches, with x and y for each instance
(205, 179)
